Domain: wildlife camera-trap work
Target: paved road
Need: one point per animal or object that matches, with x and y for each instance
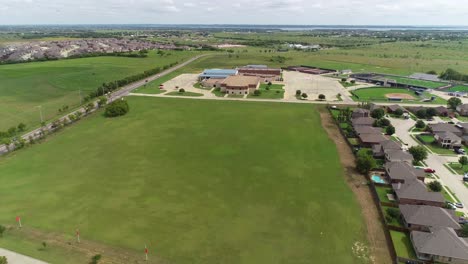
(434, 161)
(112, 97)
(15, 258)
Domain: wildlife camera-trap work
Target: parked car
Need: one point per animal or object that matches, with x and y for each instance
(462, 220)
(451, 206)
(459, 205)
(465, 178)
(429, 170)
(451, 122)
(460, 151)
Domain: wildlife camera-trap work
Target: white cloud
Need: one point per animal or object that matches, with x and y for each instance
(393, 12)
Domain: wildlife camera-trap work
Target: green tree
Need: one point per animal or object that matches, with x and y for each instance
(257, 93)
(298, 92)
(95, 259)
(435, 186)
(463, 232)
(321, 97)
(3, 260)
(89, 107)
(419, 153)
(181, 90)
(393, 212)
(384, 122)
(378, 113)
(117, 108)
(463, 160)
(2, 230)
(390, 130)
(398, 112)
(304, 95)
(421, 113)
(44, 245)
(21, 127)
(365, 163)
(430, 112)
(420, 124)
(453, 102)
(102, 101)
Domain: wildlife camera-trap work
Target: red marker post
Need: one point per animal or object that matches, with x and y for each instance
(18, 220)
(78, 235)
(146, 253)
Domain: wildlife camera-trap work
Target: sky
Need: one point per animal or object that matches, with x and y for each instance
(303, 12)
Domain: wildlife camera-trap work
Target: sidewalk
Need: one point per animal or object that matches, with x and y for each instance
(15, 258)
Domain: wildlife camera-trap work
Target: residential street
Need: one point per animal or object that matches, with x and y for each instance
(15, 258)
(434, 161)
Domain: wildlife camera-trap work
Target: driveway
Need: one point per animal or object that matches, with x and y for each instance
(15, 258)
(434, 161)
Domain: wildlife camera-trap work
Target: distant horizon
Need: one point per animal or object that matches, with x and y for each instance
(241, 12)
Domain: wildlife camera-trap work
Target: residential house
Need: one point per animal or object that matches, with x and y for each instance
(393, 108)
(415, 192)
(441, 111)
(373, 106)
(423, 217)
(362, 121)
(381, 149)
(400, 172)
(463, 109)
(445, 127)
(370, 140)
(360, 112)
(464, 129)
(367, 130)
(398, 156)
(448, 140)
(441, 245)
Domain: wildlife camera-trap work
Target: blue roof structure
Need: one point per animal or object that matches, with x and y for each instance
(217, 73)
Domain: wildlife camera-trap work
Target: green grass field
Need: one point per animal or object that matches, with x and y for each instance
(183, 94)
(402, 244)
(275, 91)
(53, 84)
(378, 94)
(458, 88)
(177, 175)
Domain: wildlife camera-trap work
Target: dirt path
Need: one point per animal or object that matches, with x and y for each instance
(86, 248)
(375, 228)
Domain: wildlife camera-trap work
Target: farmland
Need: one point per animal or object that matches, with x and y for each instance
(54, 84)
(177, 174)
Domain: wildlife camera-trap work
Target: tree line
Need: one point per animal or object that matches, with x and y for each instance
(114, 85)
(453, 75)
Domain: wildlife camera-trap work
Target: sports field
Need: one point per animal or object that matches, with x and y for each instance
(383, 94)
(198, 181)
(458, 88)
(54, 84)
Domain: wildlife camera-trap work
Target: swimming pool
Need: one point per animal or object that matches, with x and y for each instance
(378, 179)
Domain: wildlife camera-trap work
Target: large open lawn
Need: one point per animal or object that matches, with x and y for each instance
(53, 84)
(378, 94)
(198, 181)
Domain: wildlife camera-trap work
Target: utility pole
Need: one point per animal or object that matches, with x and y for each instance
(40, 113)
(81, 98)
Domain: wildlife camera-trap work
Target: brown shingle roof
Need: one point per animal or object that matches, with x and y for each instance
(402, 171)
(416, 190)
(430, 216)
(363, 121)
(241, 81)
(441, 242)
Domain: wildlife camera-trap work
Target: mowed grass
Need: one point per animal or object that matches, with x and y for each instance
(458, 88)
(197, 181)
(53, 84)
(379, 94)
(415, 82)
